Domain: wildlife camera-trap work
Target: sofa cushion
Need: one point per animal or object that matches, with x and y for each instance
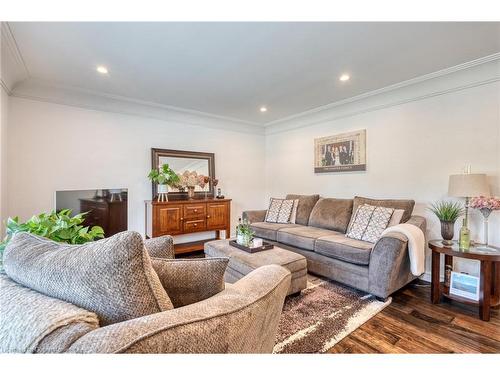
(404, 204)
(344, 248)
(112, 277)
(331, 213)
(32, 322)
(302, 236)
(304, 208)
(268, 230)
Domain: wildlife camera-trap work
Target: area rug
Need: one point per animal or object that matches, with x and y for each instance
(322, 315)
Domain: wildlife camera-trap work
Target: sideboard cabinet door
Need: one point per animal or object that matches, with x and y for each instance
(168, 220)
(217, 215)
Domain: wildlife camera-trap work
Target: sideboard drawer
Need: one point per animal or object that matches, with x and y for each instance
(195, 210)
(195, 225)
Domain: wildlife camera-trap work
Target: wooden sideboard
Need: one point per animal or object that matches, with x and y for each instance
(188, 216)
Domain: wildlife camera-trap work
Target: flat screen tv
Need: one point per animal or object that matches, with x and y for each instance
(104, 207)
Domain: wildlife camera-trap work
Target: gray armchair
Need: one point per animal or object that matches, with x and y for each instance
(243, 318)
(45, 314)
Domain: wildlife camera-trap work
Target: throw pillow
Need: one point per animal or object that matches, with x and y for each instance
(396, 218)
(112, 277)
(369, 222)
(293, 216)
(280, 211)
(360, 221)
(191, 280)
(378, 222)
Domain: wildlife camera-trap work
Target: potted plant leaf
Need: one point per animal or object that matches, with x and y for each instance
(244, 233)
(57, 226)
(447, 212)
(164, 177)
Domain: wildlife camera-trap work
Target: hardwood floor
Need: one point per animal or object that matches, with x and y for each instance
(412, 324)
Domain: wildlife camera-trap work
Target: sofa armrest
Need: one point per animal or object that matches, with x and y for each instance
(160, 247)
(187, 281)
(418, 221)
(242, 319)
(254, 216)
(386, 261)
(389, 268)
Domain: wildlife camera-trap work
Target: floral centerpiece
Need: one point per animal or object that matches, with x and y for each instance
(486, 205)
(190, 179)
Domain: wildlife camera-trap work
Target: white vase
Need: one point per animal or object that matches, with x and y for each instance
(162, 193)
(243, 239)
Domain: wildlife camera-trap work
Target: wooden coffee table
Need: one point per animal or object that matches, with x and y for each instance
(489, 288)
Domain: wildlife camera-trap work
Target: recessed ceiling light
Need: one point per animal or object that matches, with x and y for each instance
(263, 109)
(102, 69)
(344, 77)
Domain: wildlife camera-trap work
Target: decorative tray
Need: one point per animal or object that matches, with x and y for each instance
(265, 246)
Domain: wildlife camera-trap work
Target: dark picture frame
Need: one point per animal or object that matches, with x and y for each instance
(157, 153)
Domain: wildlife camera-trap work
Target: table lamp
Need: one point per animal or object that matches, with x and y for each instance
(468, 185)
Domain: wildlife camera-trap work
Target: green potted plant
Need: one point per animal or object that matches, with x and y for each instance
(244, 233)
(57, 226)
(164, 177)
(447, 212)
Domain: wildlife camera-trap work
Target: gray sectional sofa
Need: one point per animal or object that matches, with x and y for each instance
(319, 235)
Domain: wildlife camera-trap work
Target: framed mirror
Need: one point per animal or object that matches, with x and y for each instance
(203, 163)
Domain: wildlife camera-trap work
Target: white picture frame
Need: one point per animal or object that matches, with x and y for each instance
(464, 285)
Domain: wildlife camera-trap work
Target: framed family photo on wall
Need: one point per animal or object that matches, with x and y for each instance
(340, 153)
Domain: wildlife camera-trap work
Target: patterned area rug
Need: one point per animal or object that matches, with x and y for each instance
(323, 315)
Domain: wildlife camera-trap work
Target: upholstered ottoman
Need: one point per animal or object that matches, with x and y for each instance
(241, 263)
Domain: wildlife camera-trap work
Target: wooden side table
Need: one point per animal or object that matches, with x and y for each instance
(489, 285)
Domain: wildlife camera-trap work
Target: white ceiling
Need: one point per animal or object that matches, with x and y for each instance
(231, 69)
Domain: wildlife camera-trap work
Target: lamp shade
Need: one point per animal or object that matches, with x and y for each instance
(468, 185)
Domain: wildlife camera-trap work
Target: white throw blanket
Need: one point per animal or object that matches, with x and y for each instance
(416, 245)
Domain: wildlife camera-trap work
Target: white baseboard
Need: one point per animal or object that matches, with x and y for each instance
(427, 277)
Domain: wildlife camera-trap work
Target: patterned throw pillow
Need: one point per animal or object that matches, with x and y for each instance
(369, 222)
(280, 211)
(293, 216)
(360, 221)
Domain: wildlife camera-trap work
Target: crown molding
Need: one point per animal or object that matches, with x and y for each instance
(5, 87)
(35, 89)
(14, 68)
(464, 76)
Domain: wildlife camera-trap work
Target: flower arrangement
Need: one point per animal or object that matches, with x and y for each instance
(189, 179)
(192, 178)
(488, 203)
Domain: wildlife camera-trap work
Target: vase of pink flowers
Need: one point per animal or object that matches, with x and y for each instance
(485, 205)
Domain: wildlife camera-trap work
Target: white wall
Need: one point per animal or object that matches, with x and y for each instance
(4, 110)
(411, 150)
(56, 147)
